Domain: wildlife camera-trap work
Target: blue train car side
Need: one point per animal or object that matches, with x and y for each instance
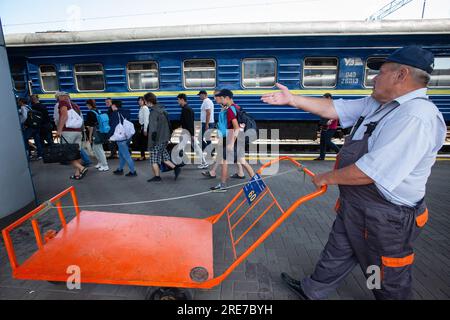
(310, 64)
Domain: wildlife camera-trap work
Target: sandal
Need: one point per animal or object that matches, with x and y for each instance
(75, 177)
(236, 176)
(207, 174)
(83, 172)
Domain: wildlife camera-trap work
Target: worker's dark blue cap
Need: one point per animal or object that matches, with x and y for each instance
(224, 93)
(413, 56)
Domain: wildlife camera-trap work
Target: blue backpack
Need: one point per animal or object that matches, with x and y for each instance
(103, 122)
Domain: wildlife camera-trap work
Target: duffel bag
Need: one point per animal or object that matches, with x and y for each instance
(61, 152)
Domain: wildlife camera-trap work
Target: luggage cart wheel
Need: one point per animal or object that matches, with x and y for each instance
(168, 294)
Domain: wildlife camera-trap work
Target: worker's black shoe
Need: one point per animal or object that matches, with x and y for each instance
(294, 285)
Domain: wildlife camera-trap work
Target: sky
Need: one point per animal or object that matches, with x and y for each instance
(26, 16)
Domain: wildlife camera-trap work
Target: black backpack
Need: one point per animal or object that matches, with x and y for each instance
(34, 119)
(247, 120)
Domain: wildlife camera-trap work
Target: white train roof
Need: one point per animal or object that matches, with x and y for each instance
(238, 30)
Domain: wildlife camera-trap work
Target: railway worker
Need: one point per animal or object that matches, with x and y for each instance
(381, 171)
(71, 135)
(187, 123)
(158, 137)
(327, 130)
(207, 119)
(228, 130)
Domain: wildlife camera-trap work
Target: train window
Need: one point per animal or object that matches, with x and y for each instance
(441, 73)
(199, 73)
(49, 79)
(320, 72)
(370, 73)
(142, 75)
(259, 73)
(89, 77)
(18, 77)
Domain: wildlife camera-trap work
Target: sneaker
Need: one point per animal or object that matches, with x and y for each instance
(97, 166)
(295, 286)
(219, 188)
(203, 166)
(104, 168)
(177, 171)
(236, 176)
(154, 179)
(118, 172)
(131, 174)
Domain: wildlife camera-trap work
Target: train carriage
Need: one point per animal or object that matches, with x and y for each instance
(311, 58)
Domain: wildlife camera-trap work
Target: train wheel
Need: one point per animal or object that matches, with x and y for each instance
(168, 294)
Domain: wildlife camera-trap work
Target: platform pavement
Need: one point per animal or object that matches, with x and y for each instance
(294, 247)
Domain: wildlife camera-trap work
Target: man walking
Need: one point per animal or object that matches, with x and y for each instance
(187, 123)
(158, 137)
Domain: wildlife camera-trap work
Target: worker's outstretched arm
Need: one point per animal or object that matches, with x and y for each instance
(320, 106)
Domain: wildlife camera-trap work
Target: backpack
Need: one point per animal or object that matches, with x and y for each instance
(34, 118)
(103, 121)
(245, 121)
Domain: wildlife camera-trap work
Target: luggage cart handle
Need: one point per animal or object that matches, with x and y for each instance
(285, 214)
(33, 215)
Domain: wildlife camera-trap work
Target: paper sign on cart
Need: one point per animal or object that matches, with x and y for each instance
(254, 188)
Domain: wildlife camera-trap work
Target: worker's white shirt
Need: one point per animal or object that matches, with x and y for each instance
(207, 105)
(403, 147)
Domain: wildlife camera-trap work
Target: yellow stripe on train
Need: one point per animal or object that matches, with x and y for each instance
(236, 92)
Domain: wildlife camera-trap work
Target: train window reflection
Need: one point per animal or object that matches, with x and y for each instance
(369, 74)
(49, 79)
(199, 73)
(441, 73)
(89, 77)
(320, 72)
(259, 73)
(143, 75)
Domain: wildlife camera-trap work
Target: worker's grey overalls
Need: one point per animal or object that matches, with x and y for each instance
(368, 230)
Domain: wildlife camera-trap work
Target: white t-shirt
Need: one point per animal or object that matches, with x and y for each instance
(207, 105)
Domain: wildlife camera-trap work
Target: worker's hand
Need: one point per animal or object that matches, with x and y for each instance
(145, 133)
(283, 97)
(320, 180)
(58, 134)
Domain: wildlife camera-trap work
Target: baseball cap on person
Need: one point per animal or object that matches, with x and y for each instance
(224, 93)
(413, 56)
(202, 92)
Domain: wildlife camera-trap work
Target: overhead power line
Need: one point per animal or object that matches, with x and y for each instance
(161, 12)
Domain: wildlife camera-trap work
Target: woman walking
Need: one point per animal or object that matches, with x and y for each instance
(95, 137)
(144, 115)
(117, 116)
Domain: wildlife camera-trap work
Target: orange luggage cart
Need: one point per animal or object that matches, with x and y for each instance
(128, 249)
